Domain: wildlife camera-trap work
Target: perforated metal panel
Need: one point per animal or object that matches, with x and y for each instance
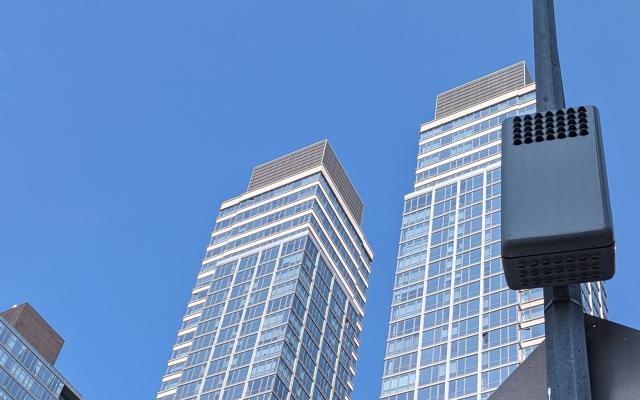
(557, 227)
(561, 124)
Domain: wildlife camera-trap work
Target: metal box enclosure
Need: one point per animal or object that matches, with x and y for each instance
(556, 217)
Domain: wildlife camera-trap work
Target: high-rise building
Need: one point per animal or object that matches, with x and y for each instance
(278, 303)
(456, 331)
(28, 349)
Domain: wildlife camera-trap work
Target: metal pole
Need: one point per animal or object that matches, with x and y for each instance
(549, 92)
(567, 363)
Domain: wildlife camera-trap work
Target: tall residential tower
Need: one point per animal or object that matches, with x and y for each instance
(456, 330)
(278, 303)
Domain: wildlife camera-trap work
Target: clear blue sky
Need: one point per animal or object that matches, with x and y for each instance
(124, 124)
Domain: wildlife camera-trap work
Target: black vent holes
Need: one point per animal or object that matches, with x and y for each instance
(562, 124)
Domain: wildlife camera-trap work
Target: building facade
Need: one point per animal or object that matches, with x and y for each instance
(278, 303)
(28, 349)
(456, 330)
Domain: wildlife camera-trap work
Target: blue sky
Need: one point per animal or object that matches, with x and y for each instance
(124, 124)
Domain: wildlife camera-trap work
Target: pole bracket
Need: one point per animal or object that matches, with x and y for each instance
(560, 294)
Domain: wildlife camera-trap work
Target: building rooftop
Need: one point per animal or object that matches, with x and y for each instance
(26, 320)
(33, 331)
(315, 155)
(482, 89)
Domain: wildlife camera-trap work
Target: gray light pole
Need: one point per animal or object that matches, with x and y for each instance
(567, 363)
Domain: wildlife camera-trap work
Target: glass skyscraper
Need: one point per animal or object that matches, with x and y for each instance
(277, 307)
(28, 349)
(456, 331)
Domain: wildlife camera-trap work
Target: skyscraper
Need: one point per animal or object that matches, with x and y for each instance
(278, 303)
(28, 349)
(456, 331)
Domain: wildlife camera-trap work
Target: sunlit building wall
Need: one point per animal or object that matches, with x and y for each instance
(277, 307)
(456, 331)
